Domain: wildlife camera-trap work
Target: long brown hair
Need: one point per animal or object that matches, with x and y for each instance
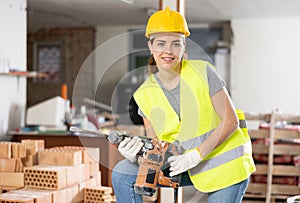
(152, 67)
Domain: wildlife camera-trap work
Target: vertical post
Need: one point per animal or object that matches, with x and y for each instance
(177, 5)
(270, 157)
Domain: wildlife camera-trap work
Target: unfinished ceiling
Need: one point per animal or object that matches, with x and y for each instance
(55, 13)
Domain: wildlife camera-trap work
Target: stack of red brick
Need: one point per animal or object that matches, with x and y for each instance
(61, 175)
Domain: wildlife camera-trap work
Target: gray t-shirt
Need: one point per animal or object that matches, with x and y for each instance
(215, 83)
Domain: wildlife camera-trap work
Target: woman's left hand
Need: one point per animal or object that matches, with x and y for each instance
(181, 163)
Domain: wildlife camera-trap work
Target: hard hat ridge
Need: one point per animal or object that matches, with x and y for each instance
(168, 10)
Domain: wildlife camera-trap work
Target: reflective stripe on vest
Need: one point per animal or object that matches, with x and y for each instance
(221, 159)
(197, 141)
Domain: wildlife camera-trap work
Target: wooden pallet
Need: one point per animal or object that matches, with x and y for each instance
(268, 192)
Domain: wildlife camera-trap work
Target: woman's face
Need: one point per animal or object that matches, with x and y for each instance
(167, 49)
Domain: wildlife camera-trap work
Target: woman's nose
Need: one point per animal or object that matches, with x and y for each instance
(168, 49)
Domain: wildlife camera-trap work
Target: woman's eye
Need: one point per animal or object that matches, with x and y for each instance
(177, 44)
(161, 44)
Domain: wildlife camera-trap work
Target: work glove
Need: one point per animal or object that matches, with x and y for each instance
(130, 147)
(181, 163)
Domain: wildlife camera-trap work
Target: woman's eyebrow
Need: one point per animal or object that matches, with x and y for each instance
(177, 40)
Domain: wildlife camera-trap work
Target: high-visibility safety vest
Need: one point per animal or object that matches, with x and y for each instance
(229, 163)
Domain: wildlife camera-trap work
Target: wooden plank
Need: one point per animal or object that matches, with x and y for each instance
(288, 117)
(256, 188)
(258, 133)
(257, 116)
(253, 201)
(280, 197)
(279, 170)
(286, 170)
(286, 150)
(285, 189)
(286, 134)
(261, 169)
(250, 198)
(260, 149)
(255, 195)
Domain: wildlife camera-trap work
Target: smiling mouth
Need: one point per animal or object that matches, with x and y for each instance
(168, 59)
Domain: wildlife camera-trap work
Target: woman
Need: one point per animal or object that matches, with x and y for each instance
(186, 100)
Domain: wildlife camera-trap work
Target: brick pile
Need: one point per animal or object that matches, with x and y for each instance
(10, 156)
(59, 175)
(99, 194)
(33, 147)
(11, 166)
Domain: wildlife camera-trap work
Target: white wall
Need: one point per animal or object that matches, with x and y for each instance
(265, 65)
(13, 48)
(111, 58)
(110, 47)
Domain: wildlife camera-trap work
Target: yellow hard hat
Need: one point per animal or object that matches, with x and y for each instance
(167, 21)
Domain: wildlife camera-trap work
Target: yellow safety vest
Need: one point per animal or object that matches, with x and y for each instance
(229, 163)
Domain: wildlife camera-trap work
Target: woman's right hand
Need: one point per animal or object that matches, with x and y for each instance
(130, 147)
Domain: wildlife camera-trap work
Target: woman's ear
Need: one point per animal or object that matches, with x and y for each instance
(150, 46)
(185, 55)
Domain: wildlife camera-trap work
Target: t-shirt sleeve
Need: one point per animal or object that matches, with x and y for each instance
(215, 82)
(141, 113)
